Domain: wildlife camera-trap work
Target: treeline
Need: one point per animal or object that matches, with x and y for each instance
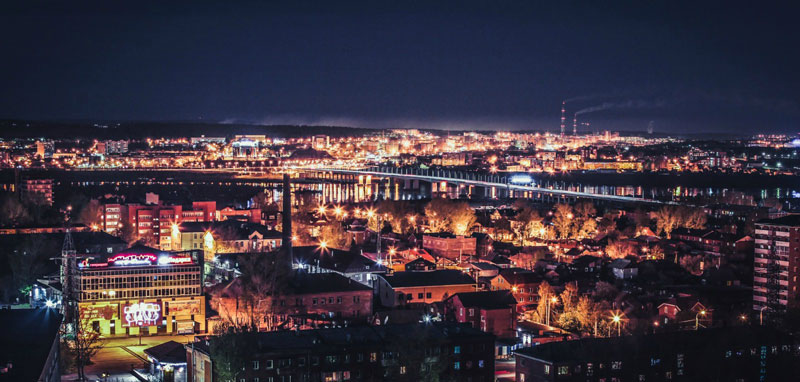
(141, 130)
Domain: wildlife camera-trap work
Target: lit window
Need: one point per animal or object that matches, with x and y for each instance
(457, 350)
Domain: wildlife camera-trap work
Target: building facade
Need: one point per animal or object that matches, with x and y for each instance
(720, 354)
(411, 352)
(777, 257)
(142, 291)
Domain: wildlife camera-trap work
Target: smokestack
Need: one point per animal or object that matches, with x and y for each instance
(287, 217)
(575, 124)
(563, 116)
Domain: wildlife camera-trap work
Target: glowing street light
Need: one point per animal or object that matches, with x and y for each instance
(322, 210)
(617, 320)
(697, 319)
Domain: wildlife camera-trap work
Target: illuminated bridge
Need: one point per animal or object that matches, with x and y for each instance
(452, 183)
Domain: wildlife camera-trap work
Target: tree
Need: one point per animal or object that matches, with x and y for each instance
(588, 228)
(584, 210)
(12, 211)
(91, 214)
(641, 219)
(445, 215)
(334, 236)
(530, 222)
(83, 342)
(695, 218)
(692, 264)
(230, 349)
(26, 261)
(667, 219)
(656, 252)
(462, 220)
(263, 281)
(397, 213)
(127, 232)
(569, 317)
(563, 220)
(617, 249)
(436, 213)
(545, 293)
(605, 291)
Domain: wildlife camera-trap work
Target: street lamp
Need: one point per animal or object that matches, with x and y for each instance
(618, 320)
(697, 319)
(761, 315)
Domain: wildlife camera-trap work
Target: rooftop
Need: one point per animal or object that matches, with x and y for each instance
(428, 278)
(788, 220)
(625, 347)
(489, 300)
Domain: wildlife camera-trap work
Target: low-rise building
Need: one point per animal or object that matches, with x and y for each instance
(141, 290)
(719, 354)
(425, 287)
(490, 311)
(452, 247)
(362, 353)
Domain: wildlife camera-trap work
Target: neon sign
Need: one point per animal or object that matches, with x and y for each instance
(170, 260)
(133, 259)
(142, 314)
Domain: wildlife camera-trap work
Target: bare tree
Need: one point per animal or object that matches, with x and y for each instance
(82, 342)
(563, 220)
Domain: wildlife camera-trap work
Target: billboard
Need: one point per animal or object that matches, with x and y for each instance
(183, 308)
(103, 310)
(141, 314)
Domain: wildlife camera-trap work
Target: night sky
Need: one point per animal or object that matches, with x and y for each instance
(675, 66)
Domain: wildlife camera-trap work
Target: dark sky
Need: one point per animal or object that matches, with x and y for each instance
(677, 66)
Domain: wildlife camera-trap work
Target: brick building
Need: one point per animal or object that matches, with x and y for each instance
(490, 311)
(309, 300)
(452, 247)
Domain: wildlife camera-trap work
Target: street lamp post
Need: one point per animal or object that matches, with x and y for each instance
(761, 315)
(697, 319)
(554, 300)
(618, 320)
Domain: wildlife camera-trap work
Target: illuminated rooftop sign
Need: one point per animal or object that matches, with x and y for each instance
(124, 259)
(138, 259)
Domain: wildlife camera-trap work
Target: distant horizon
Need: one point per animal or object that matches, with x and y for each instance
(186, 124)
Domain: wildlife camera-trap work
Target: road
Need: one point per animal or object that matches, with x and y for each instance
(119, 355)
